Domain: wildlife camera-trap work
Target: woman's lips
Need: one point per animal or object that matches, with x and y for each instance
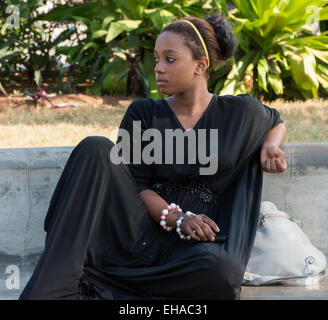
(161, 83)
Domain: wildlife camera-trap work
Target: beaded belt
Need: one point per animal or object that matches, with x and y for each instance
(197, 188)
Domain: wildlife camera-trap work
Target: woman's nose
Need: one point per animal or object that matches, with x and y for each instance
(159, 68)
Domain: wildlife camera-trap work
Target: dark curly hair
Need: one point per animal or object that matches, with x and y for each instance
(217, 34)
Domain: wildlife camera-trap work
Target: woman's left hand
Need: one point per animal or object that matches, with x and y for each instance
(273, 159)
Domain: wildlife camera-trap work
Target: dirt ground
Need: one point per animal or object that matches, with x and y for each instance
(22, 85)
(21, 101)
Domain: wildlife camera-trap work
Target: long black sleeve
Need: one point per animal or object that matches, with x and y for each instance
(138, 115)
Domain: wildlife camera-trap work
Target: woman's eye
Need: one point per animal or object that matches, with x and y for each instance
(168, 59)
(155, 59)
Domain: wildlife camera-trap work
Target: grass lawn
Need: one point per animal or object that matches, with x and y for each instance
(44, 127)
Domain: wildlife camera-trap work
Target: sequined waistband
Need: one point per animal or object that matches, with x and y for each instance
(196, 188)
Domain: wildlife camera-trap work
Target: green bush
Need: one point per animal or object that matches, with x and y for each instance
(28, 45)
(278, 53)
(116, 54)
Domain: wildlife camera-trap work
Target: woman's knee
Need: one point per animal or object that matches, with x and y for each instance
(96, 148)
(94, 142)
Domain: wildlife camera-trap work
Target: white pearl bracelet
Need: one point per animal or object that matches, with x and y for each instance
(178, 229)
(165, 212)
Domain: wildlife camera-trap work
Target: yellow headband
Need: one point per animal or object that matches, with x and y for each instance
(201, 40)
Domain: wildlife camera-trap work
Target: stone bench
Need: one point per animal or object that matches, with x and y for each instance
(29, 176)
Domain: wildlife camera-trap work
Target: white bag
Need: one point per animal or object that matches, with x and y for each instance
(282, 253)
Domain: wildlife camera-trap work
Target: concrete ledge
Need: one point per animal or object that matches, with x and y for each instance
(29, 177)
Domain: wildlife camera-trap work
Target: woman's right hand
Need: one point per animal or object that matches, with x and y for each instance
(199, 227)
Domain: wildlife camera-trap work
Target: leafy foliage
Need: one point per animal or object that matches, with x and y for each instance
(116, 54)
(278, 52)
(28, 46)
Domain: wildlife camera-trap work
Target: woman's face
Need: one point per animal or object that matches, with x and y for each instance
(175, 67)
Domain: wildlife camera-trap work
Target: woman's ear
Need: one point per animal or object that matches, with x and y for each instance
(201, 66)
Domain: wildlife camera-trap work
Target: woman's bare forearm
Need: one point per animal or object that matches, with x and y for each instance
(276, 137)
(155, 204)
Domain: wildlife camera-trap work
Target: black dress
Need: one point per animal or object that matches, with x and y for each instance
(101, 242)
